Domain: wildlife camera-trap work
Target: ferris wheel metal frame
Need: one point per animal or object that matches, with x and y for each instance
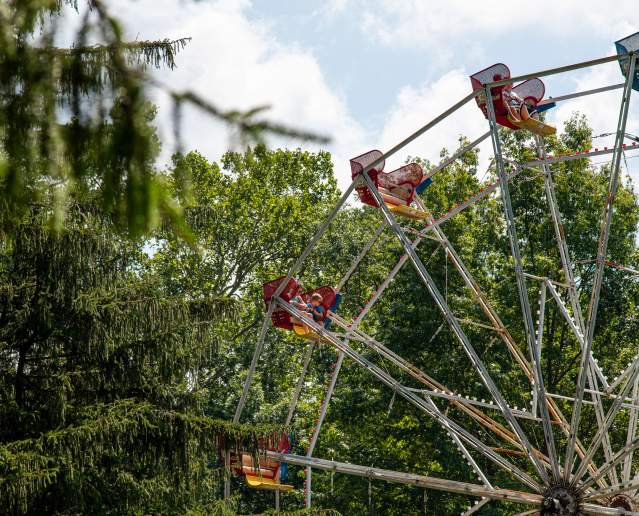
(553, 483)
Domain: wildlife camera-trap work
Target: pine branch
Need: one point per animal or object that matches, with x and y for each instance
(156, 53)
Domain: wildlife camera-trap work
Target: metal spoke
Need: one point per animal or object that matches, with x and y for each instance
(596, 395)
(440, 484)
(610, 417)
(300, 382)
(632, 431)
(622, 376)
(360, 257)
(613, 490)
(256, 355)
(564, 253)
(476, 506)
(541, 394)
(522, 287)
(622, 454)
(601, 256)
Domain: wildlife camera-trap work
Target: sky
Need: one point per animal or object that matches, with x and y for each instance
(367, 73)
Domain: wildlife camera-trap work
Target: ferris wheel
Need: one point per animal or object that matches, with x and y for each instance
(569, 474)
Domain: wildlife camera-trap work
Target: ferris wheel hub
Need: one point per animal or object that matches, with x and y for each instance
(561, 500)
(624, 501)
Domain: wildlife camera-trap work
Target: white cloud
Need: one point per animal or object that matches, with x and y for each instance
(434, 25)
(238, 63)
(333, 7)
(414, 107)
(602, 109)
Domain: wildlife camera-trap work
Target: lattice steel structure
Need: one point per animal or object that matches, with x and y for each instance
(558, 481)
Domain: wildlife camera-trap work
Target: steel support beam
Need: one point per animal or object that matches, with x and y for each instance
(300, 382)
(571, 157)
(559, 69)
(458, 154)
(601, 256)
(578, 94)
(621, 455)
(522, 289)
(476, 506)
(630, 435)
(613, 490)
(408, 478)
(578, 332)
(360, 257)
(610, 417)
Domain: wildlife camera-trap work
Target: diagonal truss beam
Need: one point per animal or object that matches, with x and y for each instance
(522, 290)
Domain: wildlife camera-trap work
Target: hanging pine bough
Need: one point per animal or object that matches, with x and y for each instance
(79, 117)
(169, 440)
(101, 406)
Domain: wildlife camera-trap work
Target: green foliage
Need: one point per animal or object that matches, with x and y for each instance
(101, 407)
(236, 212)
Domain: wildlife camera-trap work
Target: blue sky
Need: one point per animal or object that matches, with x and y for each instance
(368, 73)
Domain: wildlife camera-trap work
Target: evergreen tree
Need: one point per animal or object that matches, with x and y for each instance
(101, 409)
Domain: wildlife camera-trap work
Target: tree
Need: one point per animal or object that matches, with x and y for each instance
(100, 407)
